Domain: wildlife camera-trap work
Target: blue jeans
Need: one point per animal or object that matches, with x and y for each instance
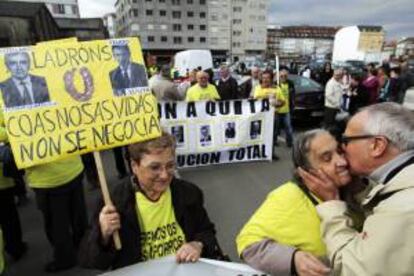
(283, 121)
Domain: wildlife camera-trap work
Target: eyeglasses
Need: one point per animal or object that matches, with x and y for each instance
(157, 169)
(344, 140)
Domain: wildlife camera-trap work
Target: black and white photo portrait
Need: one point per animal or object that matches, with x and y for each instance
(255, 129)
(178, 133)
(229, 131)
(22, 88)
(205, 135)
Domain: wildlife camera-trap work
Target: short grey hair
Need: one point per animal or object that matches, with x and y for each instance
(393, 121)
(301, 147)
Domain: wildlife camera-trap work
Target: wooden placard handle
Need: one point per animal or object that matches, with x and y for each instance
(105, 193)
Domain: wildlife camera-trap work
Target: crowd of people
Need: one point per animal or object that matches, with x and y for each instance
(346, 209)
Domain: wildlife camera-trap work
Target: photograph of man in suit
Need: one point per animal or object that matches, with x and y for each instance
(255, 129)
(128, 74)
(22, 88)
(230, 131)
(205, 135)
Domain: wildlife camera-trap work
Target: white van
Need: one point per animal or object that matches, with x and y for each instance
(192, 59)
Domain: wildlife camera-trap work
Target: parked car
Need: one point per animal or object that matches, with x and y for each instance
(309, 98)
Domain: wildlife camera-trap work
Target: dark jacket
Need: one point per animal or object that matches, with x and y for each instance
(359, 100)
(187, 200)
(119, 83)
(227, 89)
(12, 97)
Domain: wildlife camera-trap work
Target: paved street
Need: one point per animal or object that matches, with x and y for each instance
(232, 193)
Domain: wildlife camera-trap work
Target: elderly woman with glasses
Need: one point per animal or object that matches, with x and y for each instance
(283, 236)
(155, 213)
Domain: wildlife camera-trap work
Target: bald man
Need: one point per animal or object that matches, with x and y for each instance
(202, 90)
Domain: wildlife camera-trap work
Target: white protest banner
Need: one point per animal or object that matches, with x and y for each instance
(210, 132)
(168, 266)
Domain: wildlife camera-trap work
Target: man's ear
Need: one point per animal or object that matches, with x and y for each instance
(379, 146)
(134, 165)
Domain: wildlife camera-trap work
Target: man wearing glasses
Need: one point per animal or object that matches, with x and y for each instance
(379, 145)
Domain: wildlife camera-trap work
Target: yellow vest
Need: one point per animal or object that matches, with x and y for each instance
(197, 93)
(288, 217)
(54, 174)
(5, 182)
(161, 235)
(284, 89)
(1, 252)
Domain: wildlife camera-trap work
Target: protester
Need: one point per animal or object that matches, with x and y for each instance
(203, 90)
(165, 89)
(187, 83)
(326, 73)
(404, 79)
(358, 95)
(395, 87)
(333, 98)
(274, 240)
(155, 78)
(9, 218)
(155, 201)
(266, 90)
(227, 86)
(371, 84)
(378, 144)
(247, 90)
(283, 117)
(2, 261)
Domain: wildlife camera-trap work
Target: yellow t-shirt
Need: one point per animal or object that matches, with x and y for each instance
(54, 174)
(284, 89)
(161, 235)
(288, 217)
(1, 252)
(264, 93)
(197, 93)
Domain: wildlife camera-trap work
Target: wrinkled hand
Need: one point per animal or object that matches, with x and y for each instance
(109, 222)
(319, 183)
(307, 264)
(189, 252)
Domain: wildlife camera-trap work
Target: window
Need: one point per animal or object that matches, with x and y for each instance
(202, 39)
(202, 2)
(202, 15)
(163, 27)
(75, 9)
(202, 27)
(176, 14)
(148, 12)
(162, 1)
(176, 2)
(190, 14)
(236, 21)
(176, 27)
(190, 39)
(148, 1)
(190, 27)
(189, 1)
(177, 40)
(163, 13)
(134, 1)
(150, 27)
(58, 8)
(135, 11)
(151, 38)
(164, 39)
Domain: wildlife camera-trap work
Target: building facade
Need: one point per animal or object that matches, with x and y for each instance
(362, 43)
(59, 8)
(229, 28)
(296, 43)
(109, 21)
(405, 47)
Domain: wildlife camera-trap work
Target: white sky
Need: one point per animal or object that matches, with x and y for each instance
(96, 8)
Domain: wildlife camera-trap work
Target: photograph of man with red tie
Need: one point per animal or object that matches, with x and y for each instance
(128, 74)
(22, 88)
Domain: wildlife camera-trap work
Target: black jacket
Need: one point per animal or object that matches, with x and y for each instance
(187, 200)
(228, 90)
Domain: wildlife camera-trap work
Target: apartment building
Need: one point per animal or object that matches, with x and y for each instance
(59, 8)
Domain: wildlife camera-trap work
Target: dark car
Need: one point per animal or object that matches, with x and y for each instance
(309, 98)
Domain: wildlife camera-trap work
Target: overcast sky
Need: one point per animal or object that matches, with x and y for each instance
(397, 16)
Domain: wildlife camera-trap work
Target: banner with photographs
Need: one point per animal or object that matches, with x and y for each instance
(209, 133)
(66, 98)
